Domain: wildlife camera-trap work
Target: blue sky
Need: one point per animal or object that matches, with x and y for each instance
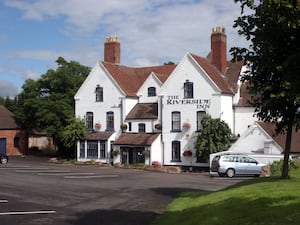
(34, 33)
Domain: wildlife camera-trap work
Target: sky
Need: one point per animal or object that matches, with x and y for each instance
(34, 33)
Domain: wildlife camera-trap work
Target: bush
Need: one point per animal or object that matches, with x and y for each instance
(276, 167)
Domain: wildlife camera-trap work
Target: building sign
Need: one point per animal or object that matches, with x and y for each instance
(200, 103)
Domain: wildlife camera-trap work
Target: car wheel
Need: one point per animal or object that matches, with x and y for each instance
(4, 159)
(230, 173)
(221, 174)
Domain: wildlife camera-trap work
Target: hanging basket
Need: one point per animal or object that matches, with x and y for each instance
(187, 153)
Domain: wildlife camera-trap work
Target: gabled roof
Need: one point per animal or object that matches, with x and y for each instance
(281, 138)
(143, 111)
(140, 139)
(7, 120)
(130, 79)
(213, 73)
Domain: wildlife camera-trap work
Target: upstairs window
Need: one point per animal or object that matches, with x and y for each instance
(110, 121)
(89, 120)
(200, 115)
(151, 91)
(188, 89)
(99, 93)
(142, 128)
(176, 121)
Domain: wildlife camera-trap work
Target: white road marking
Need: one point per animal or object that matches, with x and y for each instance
(88, 177)
(28, 212)
(63, 174)
(3, 201)
(42, 171)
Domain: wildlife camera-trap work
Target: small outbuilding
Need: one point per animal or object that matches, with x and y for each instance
(12, 136)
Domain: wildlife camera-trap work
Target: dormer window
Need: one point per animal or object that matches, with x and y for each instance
(188, 89)
(99, 93)
(151, 91)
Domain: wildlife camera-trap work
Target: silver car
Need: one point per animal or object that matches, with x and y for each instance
(235, 164)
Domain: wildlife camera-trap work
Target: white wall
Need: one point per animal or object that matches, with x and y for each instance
(244, 118)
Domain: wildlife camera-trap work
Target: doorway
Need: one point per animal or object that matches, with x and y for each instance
(2, 145)
(132, 155)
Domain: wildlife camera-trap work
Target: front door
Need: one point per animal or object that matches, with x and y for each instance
(2, 145)
(132, 155)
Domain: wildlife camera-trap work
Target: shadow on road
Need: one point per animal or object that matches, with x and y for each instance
(114, 217)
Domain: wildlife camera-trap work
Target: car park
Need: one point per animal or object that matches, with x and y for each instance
(3, 159)
(235, 164)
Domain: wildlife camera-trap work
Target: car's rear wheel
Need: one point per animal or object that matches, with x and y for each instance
(3, 159)
(221, 174)
(230, 173)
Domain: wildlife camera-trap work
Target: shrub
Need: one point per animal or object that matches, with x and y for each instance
(276, 167)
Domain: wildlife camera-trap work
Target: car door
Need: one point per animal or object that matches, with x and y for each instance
(251, 166)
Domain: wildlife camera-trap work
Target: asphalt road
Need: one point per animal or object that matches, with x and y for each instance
(36, 192)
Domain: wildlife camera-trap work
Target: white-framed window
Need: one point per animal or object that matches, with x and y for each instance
(176, 121)
(188, 89)
(110, 121)
(89, 116)
(151, 91)
(99, 93)
(176, 151)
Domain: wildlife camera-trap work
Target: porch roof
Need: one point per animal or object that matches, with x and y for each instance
(102, 136)
(140, 139)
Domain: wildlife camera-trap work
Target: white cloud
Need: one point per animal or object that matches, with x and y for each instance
(8, 89)
(150, 31)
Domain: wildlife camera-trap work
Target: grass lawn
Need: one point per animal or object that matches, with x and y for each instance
(259, 201)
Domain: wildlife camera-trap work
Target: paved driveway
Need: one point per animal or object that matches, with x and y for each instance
(34, 191)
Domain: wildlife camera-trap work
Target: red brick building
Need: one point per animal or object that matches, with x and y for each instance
(12, 137)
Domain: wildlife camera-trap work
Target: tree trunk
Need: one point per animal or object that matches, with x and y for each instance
(287, 150)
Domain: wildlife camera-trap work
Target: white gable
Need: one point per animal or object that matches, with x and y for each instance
(151, 81)
(256, 141)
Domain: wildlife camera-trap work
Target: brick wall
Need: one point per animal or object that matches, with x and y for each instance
(10, 136)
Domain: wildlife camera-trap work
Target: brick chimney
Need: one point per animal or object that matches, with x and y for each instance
(218, 48)
(112, 49)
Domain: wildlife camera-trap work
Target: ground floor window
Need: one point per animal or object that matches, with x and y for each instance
(176, 151)
(92, 149)
(82, 149)
(102, 150)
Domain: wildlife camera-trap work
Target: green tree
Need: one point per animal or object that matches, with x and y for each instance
(48, 103)
(215, 137)
(273, 60)
(75, 130)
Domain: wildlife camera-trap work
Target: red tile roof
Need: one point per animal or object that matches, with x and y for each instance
(281, 138)
(102, 136)
(130, 79)
(143, 111)
(214, 74)
(7, 120)
(140, 139)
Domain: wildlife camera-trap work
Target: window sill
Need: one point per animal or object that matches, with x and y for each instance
(178, 160)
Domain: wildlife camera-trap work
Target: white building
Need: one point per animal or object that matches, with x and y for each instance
(158, 108)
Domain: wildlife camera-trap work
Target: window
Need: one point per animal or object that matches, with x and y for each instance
(129, 126)
(176, 151)
(99, 93)
(17, 142)
(142, 128)
(110, 121)
(188, 89)
(82, 150)
(102, 150)
(151, 91)
(176, 121)
(89, 120)
(200, 115)
(92, 149)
